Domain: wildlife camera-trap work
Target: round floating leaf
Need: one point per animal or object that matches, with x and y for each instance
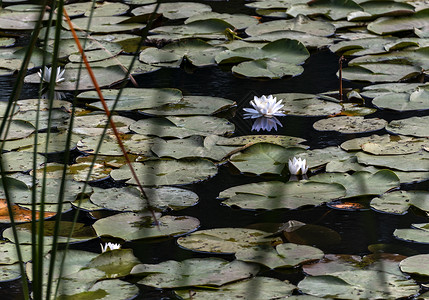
(397, 24)
(191, 147)
(286, 255)
(130, 198)
(176, 10)
(335, 10)
(416, 100)
(353, 284)
(398, 202)
(267, 68)
(415, 126)
(310, 234)
(105, 289)
(376, 90)
(347, 165)
(20, 214)
(350, 124)
(101, 24)
(381, 72)
(124, 60)
(105, 77)
(300, 23)
(20, 161)
(10, 272)
(264, 158)
(134, 226)
(16, 20)
(239, 21)
(194, 272)
(9, 256)
(268, 288)
(132, 98)
(116, 263)
(167, 172)
(192, 105)
(281, 140)
(106, 9)
(361, 183)
(224, 240)
(308, 40)
(53, 118)
(418, 234)
(307, 105)
(356, 143)
(18, 129)
(275, 194)
(410, 162)
(181, 127)
(396, 145)
(319, 157)
(81, 233)
(417, 264)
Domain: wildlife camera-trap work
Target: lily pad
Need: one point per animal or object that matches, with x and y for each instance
(350, 124)
(281, 140)
(268, 288)
(130, 198)
(80, 233)
(418, 234)
(417, 264)
(239, 21)
(414, 126)
(101, 24)
(93, 124)
(416, 100)
(359, 283)
(334, 10)
(176, 10)
(320, 157)
(396, 24)
(418, 161)
(266, 68)
(399, 202)
(361, 183)
(181, 127)
(397, 145)
(224, 240)
(18, 129)
(134, 226)
(275, 194)
(285, 255)
(381, 72)
(20, 161)
(100, 9)
(264, 158)
(299, 104)
(167, 172)
(194, 272)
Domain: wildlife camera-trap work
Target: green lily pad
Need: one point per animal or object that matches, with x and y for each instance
(281, 140)
(194, 272)
(396, 24)
(8, 255)
(115, 263)
(239, 21)
(266, 68)
(18, 20)
(20, 161)
(381, 72)
(348, 164)
(416, 100)
(193, 146)
(134, 226)
(300, 23)
(264, 158)
(192, 105)
(356, 143)
(359, 283)
(275, 194)
(9, 272)
(210, 28)
(285, 255)
(53, 118)
(399, 202)
(308, 40)
(418, 234)
(81, 233)
(418, 161)
(130, 198)
(106, 9)
(335, 10)
(350, 124)
(93, 124)
(268, 288)
(376, 90)
(224, 240)
(397, 145)
(414, 126)
(101, 24)
(320, 157)
(299, 104)
(18, 129)
(176, 10)
(167, 172)
(105, 78)
(417, 264)
(361, 183)
(181, 127)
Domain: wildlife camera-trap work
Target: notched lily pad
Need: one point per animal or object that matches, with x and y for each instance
(415, 126)
(399, 202)
(350, 124)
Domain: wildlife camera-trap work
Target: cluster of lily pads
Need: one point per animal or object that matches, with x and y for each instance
(183, 139)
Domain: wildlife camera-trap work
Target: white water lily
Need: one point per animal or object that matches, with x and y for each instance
(264, 107)
(109, 246)
(298, 166)
(266, 124)
(46, 77)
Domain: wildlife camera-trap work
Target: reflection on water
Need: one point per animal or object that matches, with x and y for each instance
(267, 124)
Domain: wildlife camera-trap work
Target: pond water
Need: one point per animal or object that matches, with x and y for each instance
(357, 228)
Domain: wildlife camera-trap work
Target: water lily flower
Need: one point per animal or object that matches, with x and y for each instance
(47, 75)
(264, 107)
(109, 246)
(298, 166)
(266, 124)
